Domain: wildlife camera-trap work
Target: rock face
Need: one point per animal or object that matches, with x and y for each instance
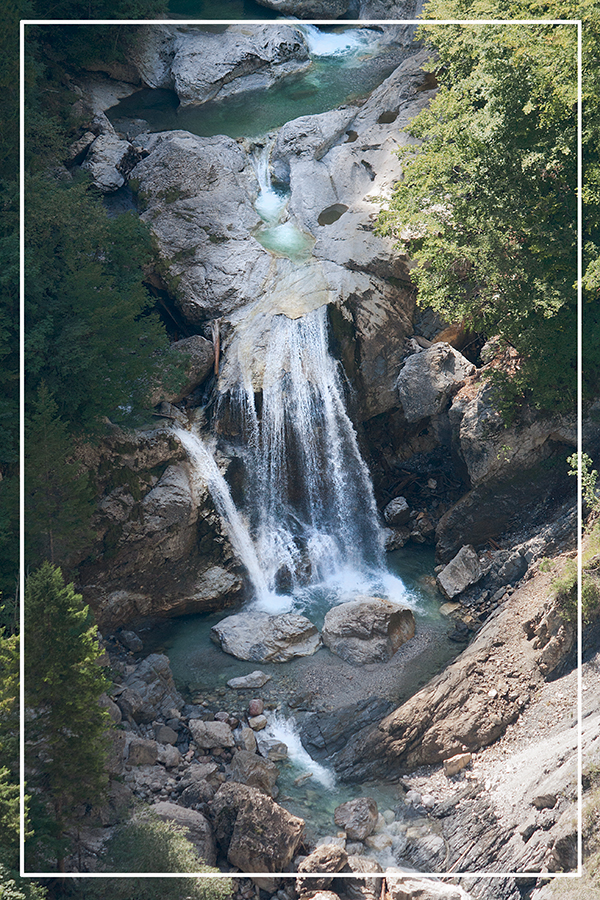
(201, 358)
(253, 832)
(264, 638)
(470, 704)
(367, 630)
(201, 66)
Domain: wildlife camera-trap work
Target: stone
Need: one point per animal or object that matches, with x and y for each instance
(250, 769)
(395, 538)
(326, 858)
(201, 359)
(257, 723)
(256, 707)
(115, 713)
(462, 571)
(248, 740)
(428, 379)
(455, 764)
(142, 752)
(254, 832)
(379, 842)
(115, 758)
(109, 160)
(131, 641)
(165, 735)
(209, 735)
(397, 512)
(544, 801)
(261, 637)
(169, 756)
(196, 827)
(255, 679)
(271, 748)
(409, 887)
(367, 884)
(357, 817)
(367, 630)
(149, 690)
(309, 9)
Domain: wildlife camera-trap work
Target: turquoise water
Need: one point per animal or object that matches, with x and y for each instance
(328, 83)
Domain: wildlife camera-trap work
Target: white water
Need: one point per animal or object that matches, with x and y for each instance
(326, 43)
(286, 731)
(269, 203)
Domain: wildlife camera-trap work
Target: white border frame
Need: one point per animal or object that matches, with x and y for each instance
(452, 876)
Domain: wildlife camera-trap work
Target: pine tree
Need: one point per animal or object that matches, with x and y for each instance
(66, 729)
(58, 497)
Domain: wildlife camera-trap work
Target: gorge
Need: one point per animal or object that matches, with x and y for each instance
(331, 499)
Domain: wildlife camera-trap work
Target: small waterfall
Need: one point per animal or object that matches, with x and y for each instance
(286, 731)
(205, 465)
(311, 506)
(269, 203)
(327, 43)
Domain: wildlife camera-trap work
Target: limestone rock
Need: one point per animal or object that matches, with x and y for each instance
(211, 734)
(401, 887)
(196, 826)
(456, 763)
(367, 629)
(250, 769)
(397, 512)
(271, 748)
(254, 832)
(261, 637)
(462, 571)
(357, 817)
(428, 379)
(326, 858)
(201, 360)
(109, 160)
(256, 679)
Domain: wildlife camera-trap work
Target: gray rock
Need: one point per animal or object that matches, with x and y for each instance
(256, 679)
(309, 9)
(255, 833)
(149, 690)
(196, 827)
(142, 752)
(367, 630)
(115, 758)
(131, 641)
(200, 365)
(169, 756)
(428, 379)
(326, 858)
(397, 512)
(463, 570)
(250, 769)
(271, 748)
(211, 734)
(261, 637)
(109, 160)
(115, 713)
(165, 735)
(357, 817)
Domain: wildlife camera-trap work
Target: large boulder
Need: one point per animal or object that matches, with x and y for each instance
(357, 817)
(326, 858)
(260, 637)
(428, 379)
(211, 734)
(149, 691)
(109, 160)
(254, 832)
(251, 769)
(367, 630)
(196, 827)
(463, 570)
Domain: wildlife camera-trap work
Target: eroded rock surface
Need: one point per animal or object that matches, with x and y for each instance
(367, 630)
(263, 638)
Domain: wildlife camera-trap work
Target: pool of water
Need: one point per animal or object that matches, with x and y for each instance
(329, 82)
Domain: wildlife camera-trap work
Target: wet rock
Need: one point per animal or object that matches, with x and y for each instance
(367, 630)
(326, 858)
(271, 748)
(255, 679)
(428, 379)
(256, 707)
(397, 512)
(209, 735)
(395, 538)
(357, 817)
(255, 771)
(463, 570)
(255, 833)
(196, 827)
(261, 637)
(324, 733)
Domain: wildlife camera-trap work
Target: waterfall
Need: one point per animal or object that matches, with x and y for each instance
(310, 500)
(269, 203)
(286, 731)
(328, 43)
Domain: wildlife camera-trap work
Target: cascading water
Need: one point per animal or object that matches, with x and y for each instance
(269, 203)
(337, 43)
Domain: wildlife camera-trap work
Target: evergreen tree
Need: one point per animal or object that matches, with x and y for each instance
(66, 729)
(58, 497)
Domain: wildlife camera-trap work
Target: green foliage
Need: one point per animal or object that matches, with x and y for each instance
(66, 729)
(589, 477)
(12, 887)
(487, 206)
(59, 499)
(147, 844)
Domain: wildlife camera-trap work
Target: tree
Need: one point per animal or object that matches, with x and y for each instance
(66, 729)
(58, 496)
(487, 205)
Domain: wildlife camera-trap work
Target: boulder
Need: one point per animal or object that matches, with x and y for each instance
(169, 756)
(463, 570)
(397, 512)
(196, 827)
(142, 752)
(309, 9)
(455, 764)
(250, 769)
(402, 887)
(131, 641)
(149, 690)
(255, 679)
(109, 160)
(164, 734)
(357, 817)
(254, 832)
(367, 630)
(209, 735)
(271, 748)
(428, 379)
(113, 710)
(326, 858)
(115, 758)
(264, 638)
(201, 358)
